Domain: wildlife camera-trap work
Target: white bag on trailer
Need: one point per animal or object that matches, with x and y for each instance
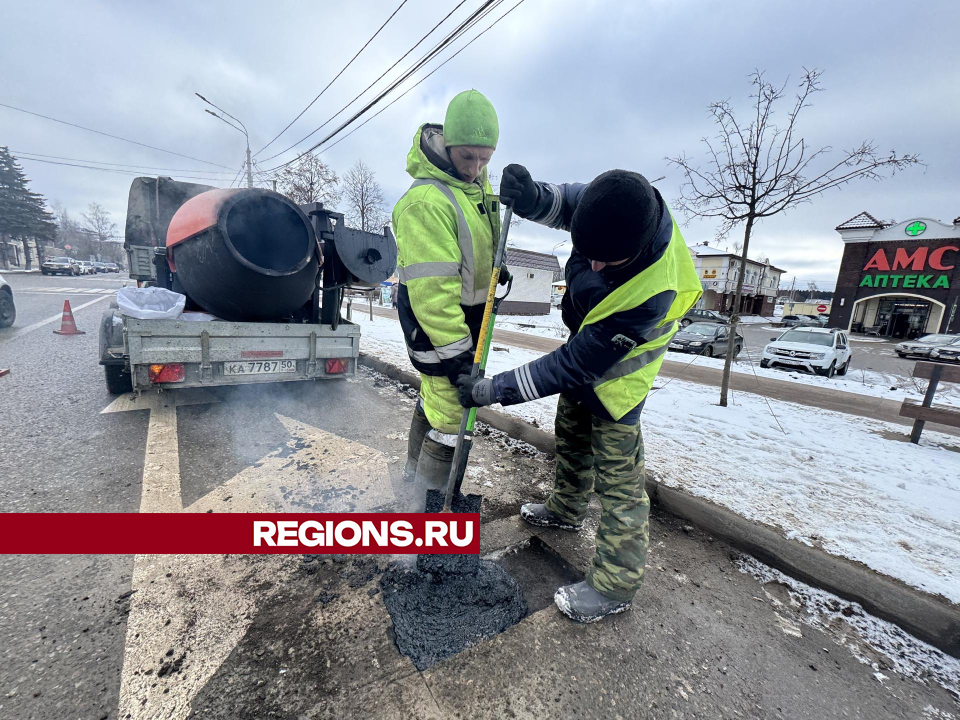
(150, 303)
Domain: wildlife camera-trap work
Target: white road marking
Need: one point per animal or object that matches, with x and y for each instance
(52, 318)
(66, 291)
(201, 606)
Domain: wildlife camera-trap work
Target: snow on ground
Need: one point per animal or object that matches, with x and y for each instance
(757, 319)
(863, 382)
(550, 326)
(850, 485)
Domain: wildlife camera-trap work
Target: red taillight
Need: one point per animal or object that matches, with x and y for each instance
(169, 373)
(336, 366)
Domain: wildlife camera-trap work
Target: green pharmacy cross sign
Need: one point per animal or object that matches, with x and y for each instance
(915, 228)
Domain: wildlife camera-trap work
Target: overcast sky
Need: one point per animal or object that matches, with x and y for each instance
(579, 86)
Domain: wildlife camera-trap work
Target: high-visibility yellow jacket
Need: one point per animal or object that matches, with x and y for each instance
(446, 230)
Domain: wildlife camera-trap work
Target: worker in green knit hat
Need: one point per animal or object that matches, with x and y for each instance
(447, 225)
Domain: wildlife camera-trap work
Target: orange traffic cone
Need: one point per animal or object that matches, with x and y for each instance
(68, 326)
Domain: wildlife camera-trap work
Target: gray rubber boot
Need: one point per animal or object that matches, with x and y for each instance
(583, 604)
(433, 471)
(537, 514)
(419, 427)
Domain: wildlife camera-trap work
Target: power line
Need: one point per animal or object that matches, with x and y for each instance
(23, 153)
(484, 10)
(358, 95)
(424, 77)
(334, 79)
(119, 172)
(115, 137)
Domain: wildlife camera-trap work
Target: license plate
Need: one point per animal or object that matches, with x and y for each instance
(790, 361)
(259, 367)
(675, 346)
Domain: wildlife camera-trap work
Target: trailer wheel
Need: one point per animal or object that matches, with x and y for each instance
(118, 379)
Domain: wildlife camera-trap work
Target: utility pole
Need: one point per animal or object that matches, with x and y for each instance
(249, 162)
(792, 284)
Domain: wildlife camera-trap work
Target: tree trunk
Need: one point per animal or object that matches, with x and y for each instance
(3, 251)
(735, 314)
(27, 257)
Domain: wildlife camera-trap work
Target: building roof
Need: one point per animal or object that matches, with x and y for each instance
(517, 257)
(863, 220)
(707, 250)
(702, 250)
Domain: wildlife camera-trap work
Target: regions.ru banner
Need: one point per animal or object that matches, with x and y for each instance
(239, 533)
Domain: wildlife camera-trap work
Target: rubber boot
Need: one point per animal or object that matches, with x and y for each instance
(433, 471)
(419, 427)
(538, 514)
(583, 604)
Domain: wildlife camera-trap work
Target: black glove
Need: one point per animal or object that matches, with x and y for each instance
(475, 392)
(505, 275)
(518, 190)
(458, 365)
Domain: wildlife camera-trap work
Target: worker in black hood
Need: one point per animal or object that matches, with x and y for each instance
(629, 280)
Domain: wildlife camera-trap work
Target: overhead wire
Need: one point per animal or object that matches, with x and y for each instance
(33, 155)
(334, 79)
(520, 2)
(362, 92)
(484, 10)
(115, 137)
(128, 173)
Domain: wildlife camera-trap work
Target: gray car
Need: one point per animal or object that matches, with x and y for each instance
(703, 338)
(947, 353)
(922, 346)
(700, 315)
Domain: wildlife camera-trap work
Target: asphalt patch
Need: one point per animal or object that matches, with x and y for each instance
(436, 615)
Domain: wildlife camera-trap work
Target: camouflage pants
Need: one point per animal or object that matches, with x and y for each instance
(606, 458)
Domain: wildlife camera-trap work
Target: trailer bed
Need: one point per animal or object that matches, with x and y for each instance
(216, 352)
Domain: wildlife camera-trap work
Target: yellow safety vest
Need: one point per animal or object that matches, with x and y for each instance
(627, 383)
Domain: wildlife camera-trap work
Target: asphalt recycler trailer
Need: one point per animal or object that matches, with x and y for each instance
(263, 280)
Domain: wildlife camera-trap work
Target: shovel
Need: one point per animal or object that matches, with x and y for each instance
(465, 436)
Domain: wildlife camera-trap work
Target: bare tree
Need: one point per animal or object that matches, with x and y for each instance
(762, 169)
(366, 208)
(98, 227)
(310, 180)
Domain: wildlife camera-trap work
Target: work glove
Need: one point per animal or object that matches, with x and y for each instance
(518, 190)
(505, 275)
(475, 392)
(458, 365)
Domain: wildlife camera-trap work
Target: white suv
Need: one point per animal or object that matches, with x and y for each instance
(816, 350)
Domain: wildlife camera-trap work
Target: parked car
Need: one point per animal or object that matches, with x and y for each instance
(817, 350)
(922, 346)
(799, 321)
(705, 338)
(8, 310)
(112, 267)
(698, 315)
(100, 267)
(556, 299)
(947, 353)
(60, 266)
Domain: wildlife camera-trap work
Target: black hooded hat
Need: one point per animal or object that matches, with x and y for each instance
(617, 217)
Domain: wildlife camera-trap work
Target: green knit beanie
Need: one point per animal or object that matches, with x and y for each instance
(471, 120)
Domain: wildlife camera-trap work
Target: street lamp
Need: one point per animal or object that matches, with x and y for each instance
(556, 246)
(238, 129)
